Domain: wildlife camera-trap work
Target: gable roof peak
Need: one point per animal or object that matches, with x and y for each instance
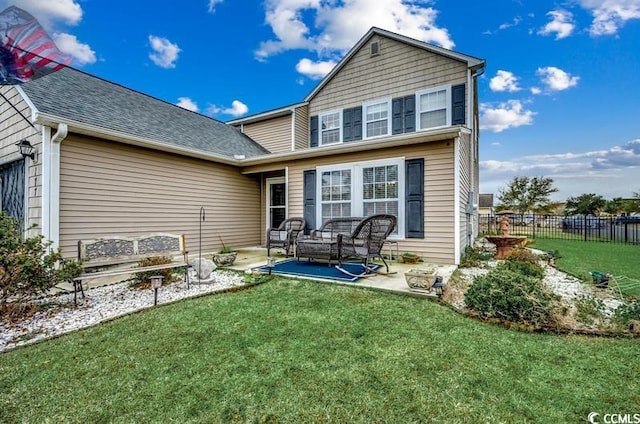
(471, 61)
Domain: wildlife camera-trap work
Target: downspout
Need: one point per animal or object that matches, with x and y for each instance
(54, 185)
(474, 160)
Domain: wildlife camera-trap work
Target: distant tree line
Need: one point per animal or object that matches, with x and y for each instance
(532, 195)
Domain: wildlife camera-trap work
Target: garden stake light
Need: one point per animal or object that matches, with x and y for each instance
(156, 282)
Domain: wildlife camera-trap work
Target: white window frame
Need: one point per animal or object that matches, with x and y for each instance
(357, 192)
(419, 111)
(365, 136)
(320, 130)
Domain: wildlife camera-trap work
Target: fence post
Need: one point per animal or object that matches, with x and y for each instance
(533, 232)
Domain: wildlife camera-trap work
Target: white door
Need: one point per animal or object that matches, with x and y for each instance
(276, 202)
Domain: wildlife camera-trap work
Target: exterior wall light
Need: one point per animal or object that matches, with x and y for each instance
(26, 149)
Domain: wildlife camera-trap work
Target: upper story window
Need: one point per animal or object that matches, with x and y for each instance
(330, 128)
(434, 107)
(376, 118)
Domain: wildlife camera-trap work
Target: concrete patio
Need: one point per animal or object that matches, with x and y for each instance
(253, 257)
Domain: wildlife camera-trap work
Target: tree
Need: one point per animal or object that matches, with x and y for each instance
(614, 206)
(585, 204)
(527, 194)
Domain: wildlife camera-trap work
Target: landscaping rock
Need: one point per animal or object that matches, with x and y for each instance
(202, 268)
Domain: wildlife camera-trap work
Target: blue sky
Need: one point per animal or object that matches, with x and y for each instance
(559, 97)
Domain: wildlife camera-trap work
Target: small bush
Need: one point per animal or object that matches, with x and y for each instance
(28, 267)
(142, 280)
(523, 255)
(506, 295)
(474, 257)
(630, 311)
(589, 309)
(521, 267)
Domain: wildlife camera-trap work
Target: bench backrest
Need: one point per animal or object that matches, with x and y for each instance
(112, 250)
(331, 228)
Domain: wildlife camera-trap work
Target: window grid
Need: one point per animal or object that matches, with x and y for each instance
(433, 108)
(336, 194)
(377, 119)
(330, 128)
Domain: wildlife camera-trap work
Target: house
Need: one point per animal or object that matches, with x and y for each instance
(393, 128)
(485, 204)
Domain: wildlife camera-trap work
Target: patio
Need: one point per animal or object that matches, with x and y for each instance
(253, 257)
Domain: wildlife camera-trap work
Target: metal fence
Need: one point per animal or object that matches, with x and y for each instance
(577, 227)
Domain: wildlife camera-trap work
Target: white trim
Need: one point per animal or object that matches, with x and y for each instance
(45, 160)
(330, 112)
(34, 110)
(293, 130)
(357, 200)
(364, 117)
(268, 183)
(456, 202)
(447, 90)
(25, 207)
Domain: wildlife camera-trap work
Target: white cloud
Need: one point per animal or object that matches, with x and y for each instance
(504, 81)
(561, 24)
(610, 15)
(606, 172)
(516, 21)
(507, 115)
(315, 70)
(556, 79)
(213, 4)
(337, 26)
(187, 103)
(535, 90)
(69, 44)
(49, 11)
(165, 53)
(237, 109)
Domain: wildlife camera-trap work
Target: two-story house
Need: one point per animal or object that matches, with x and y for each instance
(392, 129)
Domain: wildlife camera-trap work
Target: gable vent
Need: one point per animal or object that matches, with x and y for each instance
(374, 48)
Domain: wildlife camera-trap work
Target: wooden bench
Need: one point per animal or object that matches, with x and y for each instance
(98, 254)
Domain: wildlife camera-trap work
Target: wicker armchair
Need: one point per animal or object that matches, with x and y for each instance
(366, 241)
(285, 235)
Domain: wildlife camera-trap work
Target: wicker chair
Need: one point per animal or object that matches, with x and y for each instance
(285, 235)
(366, 241)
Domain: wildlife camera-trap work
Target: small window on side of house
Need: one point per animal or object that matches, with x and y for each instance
(330, 128)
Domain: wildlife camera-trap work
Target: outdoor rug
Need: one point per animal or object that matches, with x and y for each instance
(319, 270)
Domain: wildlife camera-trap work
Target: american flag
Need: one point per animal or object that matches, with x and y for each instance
(26, 50)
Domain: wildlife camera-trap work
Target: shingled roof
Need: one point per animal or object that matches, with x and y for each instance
(77, 96)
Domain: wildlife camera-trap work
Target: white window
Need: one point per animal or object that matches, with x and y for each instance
(376, 118)
(330, 128)
(335, 186)
(434, 108)
(362, 189)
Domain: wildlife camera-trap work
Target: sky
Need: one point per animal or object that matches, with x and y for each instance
(559, 97)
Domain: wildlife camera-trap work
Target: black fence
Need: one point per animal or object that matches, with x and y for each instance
(576, 227)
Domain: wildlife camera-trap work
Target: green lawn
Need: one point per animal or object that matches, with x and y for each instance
(579, 258)
(292, 352)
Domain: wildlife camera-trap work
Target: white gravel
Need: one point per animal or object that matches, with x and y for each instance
(100, 304)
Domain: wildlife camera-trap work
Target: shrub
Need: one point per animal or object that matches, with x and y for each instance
(630, 311)
(523, 255)
(474, 257)
(28, 267)
(521, 267)
(507, 295)
(142, 280)
(589, 309)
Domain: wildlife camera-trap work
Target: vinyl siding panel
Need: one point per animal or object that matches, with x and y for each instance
(399, 70)
(438, 244)
(14, 128)
(273, 134)
(302, 127)
(113, 189)
(466, 220)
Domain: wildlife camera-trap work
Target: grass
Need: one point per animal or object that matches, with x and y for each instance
(292, 352)
(579, 258)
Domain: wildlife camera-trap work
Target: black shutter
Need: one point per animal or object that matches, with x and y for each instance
(458, 111)
(357, 123)
(410, 113)
(313, 131)
(397, 115)
(352, 124)
(309, 182)
(414, 200)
